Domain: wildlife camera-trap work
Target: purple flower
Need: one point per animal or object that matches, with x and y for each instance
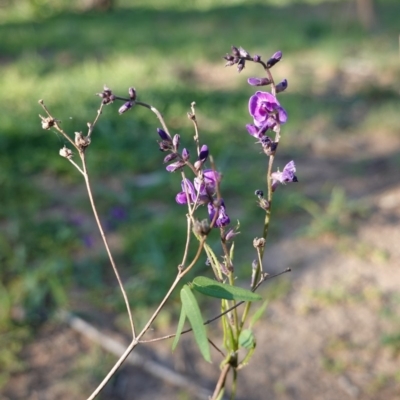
(202, 190)
(222, 218)
(287, 175)
(182, 198)
(266, 110)
(207, 185)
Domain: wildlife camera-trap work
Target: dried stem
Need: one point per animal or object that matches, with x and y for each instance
(103, 236)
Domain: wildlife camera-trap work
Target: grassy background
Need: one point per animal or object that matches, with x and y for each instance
(170, 51)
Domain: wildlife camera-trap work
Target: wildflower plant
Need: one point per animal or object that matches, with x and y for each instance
(201, 187)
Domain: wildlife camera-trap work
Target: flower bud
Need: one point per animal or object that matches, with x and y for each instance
(185, 154)
(243, 53)
(276, 57)
(170, 157)
(235, 51)
(258, 81)
(256, 58)
(126, 107)
(175, 141)
(164, 135)
(202, 228)
(47, 122)
(132, 93)
(281, 86)
(81, 141)
(241, 65)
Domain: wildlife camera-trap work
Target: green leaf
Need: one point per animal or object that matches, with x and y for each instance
(247, 340)
(212, 288)
(192, 311)
(258, 314)
(179, 329)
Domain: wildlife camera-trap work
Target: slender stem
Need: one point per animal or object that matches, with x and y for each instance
(221, 381)
(234, 384)
(155, 111)
(76, 166)
(91, 126)
(96, 216)
(136, 339)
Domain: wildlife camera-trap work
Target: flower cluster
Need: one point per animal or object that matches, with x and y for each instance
(266, 111)
(203, 190)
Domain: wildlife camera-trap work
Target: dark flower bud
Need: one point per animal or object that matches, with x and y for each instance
(170, 157)
(276, 57)
(132, 93)
(241, 65)
(230, 63)
(281, 86)
(65, 152)
(176, 140)
(262, 202)
(228, 57)
(164, 135)
(235, 51)
(244, 53)
(259, 193)
(185, 154)
(256, 58)
(106, 95)
(203, 153)
(126, 107)
(258, 81)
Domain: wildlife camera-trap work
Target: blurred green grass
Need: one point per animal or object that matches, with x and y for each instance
(172, 55)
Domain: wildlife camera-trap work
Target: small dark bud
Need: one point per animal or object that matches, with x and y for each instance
(256, 58)
(241, 65)
(276, 57)
(203, 153)
(281, 86)
(235, 51)
(106, 95)
(170, 157)
(132, 93)
(128, 105)
(244, 53)
(259, 193)
(228, 57)
(164, 135)
(258, 81)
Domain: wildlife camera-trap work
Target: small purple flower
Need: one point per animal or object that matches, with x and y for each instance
(287, 175)
(266, 110)
(222, 218)
(132, 93)
(182, 198)
(207, 185)
(256, 58)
